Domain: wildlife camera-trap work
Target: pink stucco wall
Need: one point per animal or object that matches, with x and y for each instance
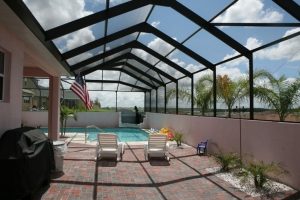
(274, 142)
(267, 141)
(100, 119)
(196, 129)
(10, 111)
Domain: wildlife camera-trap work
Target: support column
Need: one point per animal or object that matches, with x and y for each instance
(145, 108)
(192, 95)
(116, 101)
(150, 101)
(54, 108)
(177, 97)
(165, 98)
(215, 91)
(251, 95)
(156, 109)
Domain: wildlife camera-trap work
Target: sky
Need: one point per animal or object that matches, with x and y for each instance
(280, 59)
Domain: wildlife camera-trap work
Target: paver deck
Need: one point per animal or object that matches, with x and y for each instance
(183, 177)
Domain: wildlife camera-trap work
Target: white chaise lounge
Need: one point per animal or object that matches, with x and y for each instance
(156, 147)
(108, 146)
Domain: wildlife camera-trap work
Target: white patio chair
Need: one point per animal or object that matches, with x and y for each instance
(156, 147)
(108, 146)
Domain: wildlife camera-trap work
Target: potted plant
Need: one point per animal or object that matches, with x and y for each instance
(178, 138)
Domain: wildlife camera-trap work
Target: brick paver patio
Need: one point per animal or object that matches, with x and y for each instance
(184, 177)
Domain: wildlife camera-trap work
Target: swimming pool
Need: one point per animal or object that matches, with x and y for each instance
(124, 134)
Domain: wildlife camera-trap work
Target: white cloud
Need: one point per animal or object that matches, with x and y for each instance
(289, 49)
(233, 72)
(43, 82)
(249, 11)
(125, 99)
(94, 75)
(56, 12)
(155, 24)
(145, 56)
(79, 38)
(79, 58)
(251, 43)
(160, 45)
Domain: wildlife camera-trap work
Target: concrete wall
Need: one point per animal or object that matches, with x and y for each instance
(10, 109)
(100, 119)
(267, 141)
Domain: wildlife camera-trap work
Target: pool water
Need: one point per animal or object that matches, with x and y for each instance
(124, 134)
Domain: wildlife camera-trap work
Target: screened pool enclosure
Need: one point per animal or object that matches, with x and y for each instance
(212, 58)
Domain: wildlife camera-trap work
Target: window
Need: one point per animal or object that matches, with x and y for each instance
(26, 99)
(1, 76)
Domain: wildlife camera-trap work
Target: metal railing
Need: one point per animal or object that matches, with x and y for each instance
(90, 126)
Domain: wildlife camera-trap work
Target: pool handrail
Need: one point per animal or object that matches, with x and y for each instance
(90, 126)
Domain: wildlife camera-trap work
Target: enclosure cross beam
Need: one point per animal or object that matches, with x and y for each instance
(121, 82)
(129, 56)
(132, 75)
(136, 69)
(209, 27)
(290, 6)
(132, 44)
(93, 19)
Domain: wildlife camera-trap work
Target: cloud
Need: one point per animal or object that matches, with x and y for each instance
(79, 38)
(155, 24)
(43, 82)
(160, 45)
(116, 2)
(79, 58)
(249, 11)
(289, 49)
(125, 99)
(56, 12)
(251, 43)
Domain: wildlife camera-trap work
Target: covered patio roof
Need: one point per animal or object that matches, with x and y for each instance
(144, 45)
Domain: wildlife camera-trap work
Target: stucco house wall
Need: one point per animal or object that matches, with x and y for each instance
(10, 109)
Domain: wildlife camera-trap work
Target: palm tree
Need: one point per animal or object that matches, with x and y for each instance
(203, 93)
(66, 113)
(227, 90)
(231, 91)
(279, 94)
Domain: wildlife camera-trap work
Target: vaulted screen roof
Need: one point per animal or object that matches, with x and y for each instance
(144, 44)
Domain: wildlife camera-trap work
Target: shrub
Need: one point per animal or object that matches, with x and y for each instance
(258, 172)
(227, 161)
(178, 137)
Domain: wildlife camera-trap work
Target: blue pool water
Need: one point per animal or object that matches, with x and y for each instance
(124, 134)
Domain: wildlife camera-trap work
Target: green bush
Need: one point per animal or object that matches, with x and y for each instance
(258, 172)
(178, 137)
(227, 161)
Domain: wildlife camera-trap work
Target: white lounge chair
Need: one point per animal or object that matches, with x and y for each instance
(156, 147)
(108, 146)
